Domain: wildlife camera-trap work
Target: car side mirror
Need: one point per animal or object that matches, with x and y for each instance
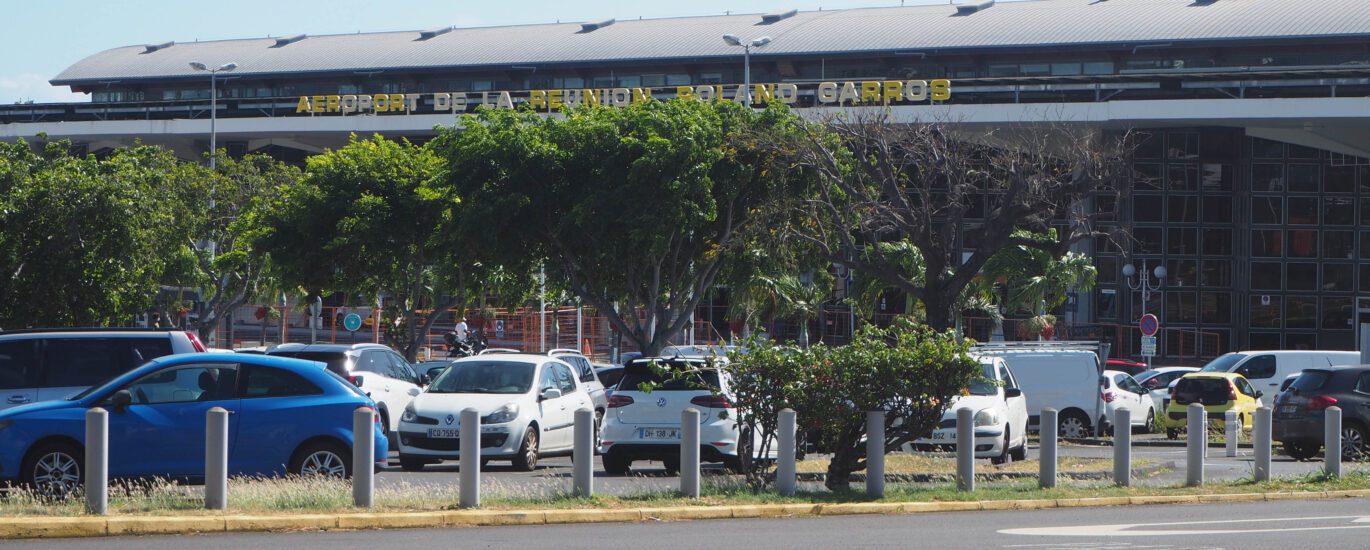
(550, 393)
(1259, 394)
(1012, 392)
(121, 399)
(424, 380)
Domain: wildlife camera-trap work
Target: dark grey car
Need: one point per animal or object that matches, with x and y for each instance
(1300, 411)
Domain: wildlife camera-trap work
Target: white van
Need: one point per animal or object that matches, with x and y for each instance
(1266, 369)
(1062, 377)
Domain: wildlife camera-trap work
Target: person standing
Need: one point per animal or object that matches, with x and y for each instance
(462, 330)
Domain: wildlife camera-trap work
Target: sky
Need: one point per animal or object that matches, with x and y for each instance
(43, 37)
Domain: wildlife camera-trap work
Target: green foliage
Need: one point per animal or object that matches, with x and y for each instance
(909, 371)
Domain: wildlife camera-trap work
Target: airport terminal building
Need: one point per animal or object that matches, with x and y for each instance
(1252, 189)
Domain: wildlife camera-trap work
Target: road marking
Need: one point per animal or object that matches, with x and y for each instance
(1150, 529)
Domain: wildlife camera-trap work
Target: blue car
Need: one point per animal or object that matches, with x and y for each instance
(287, 416)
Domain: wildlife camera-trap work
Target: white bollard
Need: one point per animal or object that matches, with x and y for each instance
(97, 461)
(785, 480)
(875, 454)
(1198, 444)
(1122, 447)
(583, 455)
(1047, 429)
(1234, 432)
(216, 459)
(965, 449)
(363, 456)
(1331, 450)
(1261, 442)
(470, 458)
(689, 452)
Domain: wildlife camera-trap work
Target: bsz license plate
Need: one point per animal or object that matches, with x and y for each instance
(660, 433)
(444, 433)
(942, 435)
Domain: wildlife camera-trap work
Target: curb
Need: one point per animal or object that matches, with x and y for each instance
(50, 527)
(1144, 443)
(989, 476)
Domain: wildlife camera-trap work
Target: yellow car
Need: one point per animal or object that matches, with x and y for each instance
(1218, 392)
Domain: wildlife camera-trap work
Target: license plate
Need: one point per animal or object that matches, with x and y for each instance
(444, 433)
(660, 433)
(941, 435)
(1288, 409)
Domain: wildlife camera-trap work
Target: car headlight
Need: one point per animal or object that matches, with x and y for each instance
(503, 414)
(409, 414)
(987, 417)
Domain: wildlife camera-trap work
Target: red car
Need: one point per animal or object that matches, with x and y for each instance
(1131, 367)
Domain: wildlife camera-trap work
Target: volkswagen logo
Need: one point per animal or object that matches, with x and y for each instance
(449, 419)
(661, 402)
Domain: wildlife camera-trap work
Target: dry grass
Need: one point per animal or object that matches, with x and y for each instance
(914, 464)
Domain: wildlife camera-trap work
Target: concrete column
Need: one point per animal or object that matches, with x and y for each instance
(689, 452)
(1261, 442)
(1198, 443)
(216, 459)
(584, 453)
(965, 449)
(97, 461)
(1122, 447)
(875, 454)
(363, 456)
(1233, 432)
(470, 458)
(1046, 476)
(785, 481)
(1331, 450)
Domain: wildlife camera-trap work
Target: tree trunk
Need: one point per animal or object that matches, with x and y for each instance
(847, 459)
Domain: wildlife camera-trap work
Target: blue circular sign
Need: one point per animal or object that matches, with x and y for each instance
(352, 321)
(1149, 325)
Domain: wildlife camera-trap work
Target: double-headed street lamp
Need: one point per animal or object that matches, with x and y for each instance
(213, 103)
(733, 40)
(1144, 284)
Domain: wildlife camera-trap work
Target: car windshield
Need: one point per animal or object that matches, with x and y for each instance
(1223, 363)
(658, 376)
(485, 377)
(1310, 380)
(1207, 391)
(336, 361)
(986, 385)
(98, 387)
(1142, 378)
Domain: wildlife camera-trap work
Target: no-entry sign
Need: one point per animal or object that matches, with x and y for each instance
(1149, 325)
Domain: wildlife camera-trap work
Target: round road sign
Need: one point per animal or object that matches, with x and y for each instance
(352, 322)
(1149, 325)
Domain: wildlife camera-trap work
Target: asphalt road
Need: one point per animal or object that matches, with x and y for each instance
(1245, 526)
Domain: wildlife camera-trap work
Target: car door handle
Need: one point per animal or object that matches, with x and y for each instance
(18, 399)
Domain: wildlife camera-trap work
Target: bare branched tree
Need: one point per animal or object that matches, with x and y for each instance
(885, 181)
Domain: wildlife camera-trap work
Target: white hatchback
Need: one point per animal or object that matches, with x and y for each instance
(645, 425)
(1001, 416)
(527, 405)
(1119, 391)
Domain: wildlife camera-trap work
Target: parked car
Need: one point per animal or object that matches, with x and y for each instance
(51, 364)
(1266, 369)
(1119, 390)
(1065, 378)
(1157, 383)
(429, 370)
(1001, 416)
(1133, 368)
(1284, 386)
(527, 404)
(498, 351)
(157, 423)
(646, 426)
(1218, 392)
(609, 375)
(1299, 412)
(585, 374)
(380, 372)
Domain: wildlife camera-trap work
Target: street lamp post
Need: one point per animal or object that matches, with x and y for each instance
(733, 40)
(1144, 283)
(213, 104)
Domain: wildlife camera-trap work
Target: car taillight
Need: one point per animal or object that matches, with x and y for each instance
(1231, 392)
(1107, 396)
(1321, 402)
(355, 380)
(619, 401)
(195, 341)
(712, 401)
(375, 418)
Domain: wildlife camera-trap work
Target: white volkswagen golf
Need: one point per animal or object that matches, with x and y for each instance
(645, 425)
(527, 405)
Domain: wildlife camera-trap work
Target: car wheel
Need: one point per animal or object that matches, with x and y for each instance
(323, 459)
(527, 458)
(672, 465)
(1073, 425)
(1300, 450)
(1352, 442)
(55, 471)
(411, 464)
(1004, 455)
(616, 464)
(1150, 426)
(1020, 453)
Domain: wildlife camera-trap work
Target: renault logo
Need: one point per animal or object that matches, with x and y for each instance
(449, 419)
(661, 402)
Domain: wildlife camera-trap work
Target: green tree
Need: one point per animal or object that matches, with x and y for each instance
(85, 241)
(637, 209)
